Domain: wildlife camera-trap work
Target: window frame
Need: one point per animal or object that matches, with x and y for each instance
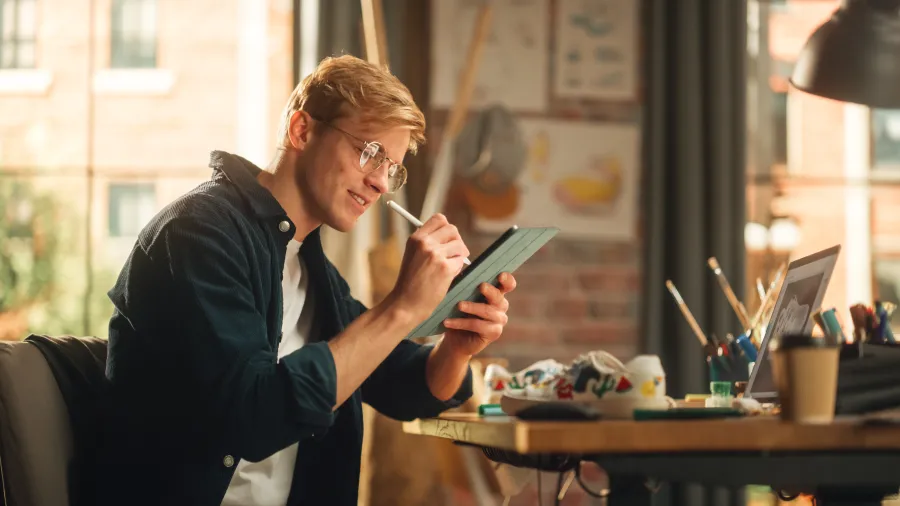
(881, 170)
(116, 192)
(15, 39)
(126, 50)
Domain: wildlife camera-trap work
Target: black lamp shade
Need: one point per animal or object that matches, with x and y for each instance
(855, 55)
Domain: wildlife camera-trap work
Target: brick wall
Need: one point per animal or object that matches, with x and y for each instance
(572, 297)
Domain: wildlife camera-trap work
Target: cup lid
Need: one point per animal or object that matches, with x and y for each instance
(789, 341)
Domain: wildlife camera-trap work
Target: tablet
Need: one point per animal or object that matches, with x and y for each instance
(506, 254)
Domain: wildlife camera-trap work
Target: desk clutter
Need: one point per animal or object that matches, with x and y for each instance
(595, 386)
(789, 358)
(732, 358)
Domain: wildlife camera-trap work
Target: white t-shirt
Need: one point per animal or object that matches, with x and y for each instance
(268, 482)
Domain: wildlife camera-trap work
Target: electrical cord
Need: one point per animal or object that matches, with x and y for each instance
(540, 495)
(784, 496)
(602, 494)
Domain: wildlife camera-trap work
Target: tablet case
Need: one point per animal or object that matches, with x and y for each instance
(506, 254)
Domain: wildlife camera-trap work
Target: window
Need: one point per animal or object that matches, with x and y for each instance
(780, 130)
(133, 38)
(17, 34)
(887, 285)
(131, 206)
(886, 137)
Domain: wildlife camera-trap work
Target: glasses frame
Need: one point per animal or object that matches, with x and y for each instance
(396, 171)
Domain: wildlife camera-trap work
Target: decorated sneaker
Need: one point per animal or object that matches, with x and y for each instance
(601, 381)
(500, 381)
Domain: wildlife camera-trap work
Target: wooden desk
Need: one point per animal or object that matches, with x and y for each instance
(845, 457)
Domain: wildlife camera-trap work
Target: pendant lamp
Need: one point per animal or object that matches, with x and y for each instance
(855, 55)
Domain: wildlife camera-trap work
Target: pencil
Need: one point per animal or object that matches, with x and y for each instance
(687, 313)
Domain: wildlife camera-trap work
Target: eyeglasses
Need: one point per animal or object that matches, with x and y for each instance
(372, 156)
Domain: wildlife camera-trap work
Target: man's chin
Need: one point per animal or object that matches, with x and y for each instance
(343, 225)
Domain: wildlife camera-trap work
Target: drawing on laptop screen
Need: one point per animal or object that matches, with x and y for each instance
(800, 295)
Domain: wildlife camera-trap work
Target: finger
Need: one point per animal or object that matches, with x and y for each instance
(455, 265)
(484, 311)
(435, 222)
(454, 249)
(445, 233)
(494, 296)
(483, 328)
(507, 282)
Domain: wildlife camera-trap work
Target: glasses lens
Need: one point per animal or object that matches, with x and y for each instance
(396, 177)
(372, 157)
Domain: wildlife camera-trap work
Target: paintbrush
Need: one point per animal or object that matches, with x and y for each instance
(760, 289)
(858, 314)
(687, 313)
(767, 300)
(738, 307)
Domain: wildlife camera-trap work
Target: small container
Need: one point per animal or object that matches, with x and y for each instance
(720, 388)
(720, 395)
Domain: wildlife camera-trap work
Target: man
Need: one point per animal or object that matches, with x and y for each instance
(238, 359)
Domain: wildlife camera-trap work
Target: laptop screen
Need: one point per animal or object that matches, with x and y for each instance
(801, 295)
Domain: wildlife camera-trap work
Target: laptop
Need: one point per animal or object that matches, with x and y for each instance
(801, 295)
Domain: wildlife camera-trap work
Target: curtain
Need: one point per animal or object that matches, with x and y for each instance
(694, 188)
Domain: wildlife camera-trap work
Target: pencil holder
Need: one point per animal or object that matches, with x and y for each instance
(730, 368)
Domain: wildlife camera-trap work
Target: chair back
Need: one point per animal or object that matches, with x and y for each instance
(37, 445)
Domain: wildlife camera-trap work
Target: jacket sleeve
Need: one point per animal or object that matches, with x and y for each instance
(398, 388)
(266, 404)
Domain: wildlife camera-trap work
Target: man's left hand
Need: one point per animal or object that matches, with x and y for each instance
(468, 336)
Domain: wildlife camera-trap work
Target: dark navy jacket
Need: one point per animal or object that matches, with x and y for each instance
(195, 385)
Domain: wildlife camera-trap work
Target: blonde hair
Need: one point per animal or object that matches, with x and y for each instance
(345, 85)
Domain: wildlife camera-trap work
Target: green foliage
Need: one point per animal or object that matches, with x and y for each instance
(29, 245)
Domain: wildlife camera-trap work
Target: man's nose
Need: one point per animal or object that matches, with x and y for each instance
(378, 179)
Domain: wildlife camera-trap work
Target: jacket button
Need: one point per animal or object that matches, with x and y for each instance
(284, 226)
(228, 461)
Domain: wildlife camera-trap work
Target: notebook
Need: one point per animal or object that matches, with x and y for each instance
(506, 254)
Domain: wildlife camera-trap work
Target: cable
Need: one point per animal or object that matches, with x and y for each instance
(784, 496)
(540, 498)
(601, 495)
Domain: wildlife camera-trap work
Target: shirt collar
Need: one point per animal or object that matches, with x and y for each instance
(242, 173)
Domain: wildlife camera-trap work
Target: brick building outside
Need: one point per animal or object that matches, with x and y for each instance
(834, 170)
(118, 103)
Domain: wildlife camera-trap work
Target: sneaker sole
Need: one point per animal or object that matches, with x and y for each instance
(620, 409)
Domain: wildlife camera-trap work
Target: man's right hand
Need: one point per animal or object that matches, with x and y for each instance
(434, 255)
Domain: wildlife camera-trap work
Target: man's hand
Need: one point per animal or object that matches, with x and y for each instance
(449, 361)
(468, 336)
(434, 255)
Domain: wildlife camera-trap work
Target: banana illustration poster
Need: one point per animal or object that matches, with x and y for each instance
(581, 177)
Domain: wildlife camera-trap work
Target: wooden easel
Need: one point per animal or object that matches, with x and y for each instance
(386, 256)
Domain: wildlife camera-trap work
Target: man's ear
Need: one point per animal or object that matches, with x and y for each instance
(299, 129)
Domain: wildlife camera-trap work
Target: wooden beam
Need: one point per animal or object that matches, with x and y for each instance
(439, 184)
(374, 37)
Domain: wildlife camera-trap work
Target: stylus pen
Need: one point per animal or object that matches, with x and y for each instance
(412, 219)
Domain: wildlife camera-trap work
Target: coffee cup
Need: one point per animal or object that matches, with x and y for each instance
(805, 370)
